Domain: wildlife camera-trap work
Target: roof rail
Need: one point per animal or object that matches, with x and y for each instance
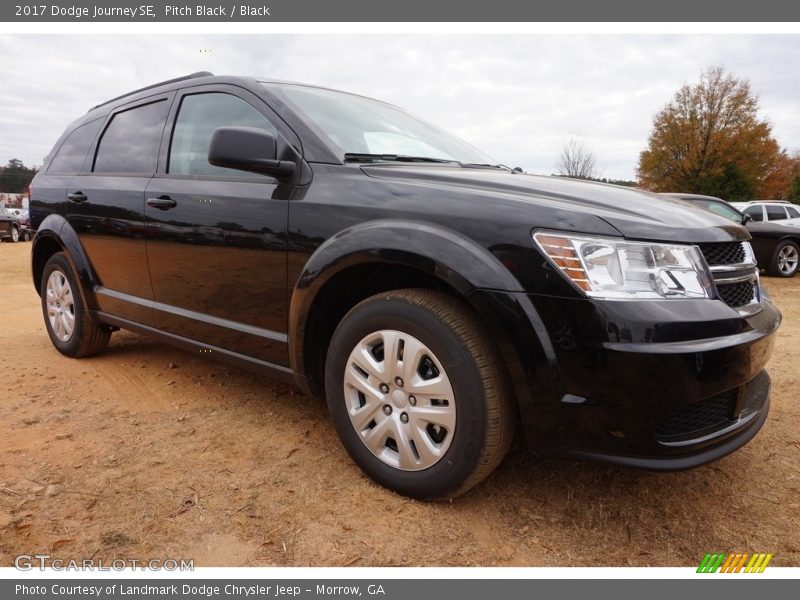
(155, 85)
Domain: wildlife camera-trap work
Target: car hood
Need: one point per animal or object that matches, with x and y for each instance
(634, 213)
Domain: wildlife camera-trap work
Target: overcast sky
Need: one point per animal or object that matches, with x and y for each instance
(518, 97)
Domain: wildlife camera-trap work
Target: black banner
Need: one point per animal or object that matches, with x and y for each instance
(406, 11)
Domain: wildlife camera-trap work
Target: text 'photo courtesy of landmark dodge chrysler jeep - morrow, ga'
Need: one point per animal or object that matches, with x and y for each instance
(440, 302)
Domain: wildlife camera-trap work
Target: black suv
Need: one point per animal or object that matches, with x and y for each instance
(435, 298)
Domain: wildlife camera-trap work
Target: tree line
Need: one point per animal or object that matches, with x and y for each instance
(15, 177)
(708, 139)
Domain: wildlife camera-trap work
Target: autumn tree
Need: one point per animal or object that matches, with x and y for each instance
(709, 139)
(577, 161)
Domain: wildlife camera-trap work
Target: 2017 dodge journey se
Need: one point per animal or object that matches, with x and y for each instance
(437, 300)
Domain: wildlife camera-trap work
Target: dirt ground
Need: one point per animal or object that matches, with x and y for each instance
(148, 452)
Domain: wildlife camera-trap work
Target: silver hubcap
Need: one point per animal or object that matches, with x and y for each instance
(14, 234)
(60, 306)
(400, 400)
(787, 260)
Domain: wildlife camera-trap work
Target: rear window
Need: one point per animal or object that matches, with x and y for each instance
(70, 156)
(793, 212)
(131, 141)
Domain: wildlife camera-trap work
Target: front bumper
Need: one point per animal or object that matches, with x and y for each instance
(661, 385)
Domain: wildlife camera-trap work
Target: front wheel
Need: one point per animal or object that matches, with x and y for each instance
(418, 394)
(14, 235)
(785, 259)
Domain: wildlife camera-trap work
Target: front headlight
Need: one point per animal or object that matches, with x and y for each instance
(617, 268)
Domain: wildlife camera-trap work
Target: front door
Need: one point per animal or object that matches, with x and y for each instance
(216, 237)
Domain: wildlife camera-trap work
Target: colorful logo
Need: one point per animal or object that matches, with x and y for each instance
(734, 563)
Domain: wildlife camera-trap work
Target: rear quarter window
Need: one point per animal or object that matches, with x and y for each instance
(70, 156)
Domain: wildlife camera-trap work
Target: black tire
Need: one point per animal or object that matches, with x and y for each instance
(26, 236)
(779, 267)
(88, 336)
(484, 417)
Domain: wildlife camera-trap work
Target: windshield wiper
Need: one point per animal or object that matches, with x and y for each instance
(363, 157)
(484, 166)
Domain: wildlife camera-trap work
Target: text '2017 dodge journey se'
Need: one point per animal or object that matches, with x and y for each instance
(436, 299)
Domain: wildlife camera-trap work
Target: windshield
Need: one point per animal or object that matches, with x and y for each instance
(364, 126)
(721, 209)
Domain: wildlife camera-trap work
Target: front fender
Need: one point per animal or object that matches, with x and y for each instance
(457, 259)
(56, 229)
(447, 255)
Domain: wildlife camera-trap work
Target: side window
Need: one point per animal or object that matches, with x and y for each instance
(70, 156)
(793, 212)
(776, 213)
(199, 116)
(756, 212)
(131, 140)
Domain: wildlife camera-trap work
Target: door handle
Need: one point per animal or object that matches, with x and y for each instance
(162, 202)
(77, 197)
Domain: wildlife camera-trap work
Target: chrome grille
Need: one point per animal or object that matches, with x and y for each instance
(724, 253)
(737, 294)
(735, 273)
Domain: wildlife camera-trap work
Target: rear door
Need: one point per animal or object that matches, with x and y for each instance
(106, 206)
(216, 237)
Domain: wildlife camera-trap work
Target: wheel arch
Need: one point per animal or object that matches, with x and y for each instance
(380, 256)
(55, 234)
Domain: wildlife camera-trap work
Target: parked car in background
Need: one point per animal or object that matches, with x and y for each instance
(779, 212)
(777, 248)
(11, 229)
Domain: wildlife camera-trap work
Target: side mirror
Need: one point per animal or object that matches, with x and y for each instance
(746, 218)
(247, 149)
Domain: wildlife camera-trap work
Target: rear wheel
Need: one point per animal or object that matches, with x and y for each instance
(785, 259)
(70, 326)
(26, 236)
(417, 393)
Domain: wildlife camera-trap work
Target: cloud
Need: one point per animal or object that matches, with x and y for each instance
(517, 97)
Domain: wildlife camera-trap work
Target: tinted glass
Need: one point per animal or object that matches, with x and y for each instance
(130, 142)
(199, 116)
(755, 212)
(775, 213)
(69, 158)
(793, 212)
